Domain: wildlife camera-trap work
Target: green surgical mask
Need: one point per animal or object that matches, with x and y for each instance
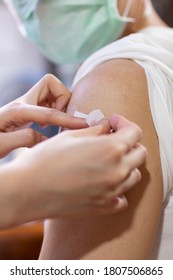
(68, 31)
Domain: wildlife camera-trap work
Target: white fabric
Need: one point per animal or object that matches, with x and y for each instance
(163, 246)
(152, 48)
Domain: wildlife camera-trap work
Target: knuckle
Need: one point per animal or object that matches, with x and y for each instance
(122, 173)
(115, 177)
(15, 109)
(49, 114)
(30, 137)
(115, 149)
(144, 152)
(119, 149)
(137, 131)
(15, 105)
(107, 178)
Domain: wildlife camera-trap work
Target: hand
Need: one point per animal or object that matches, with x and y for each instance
(42, 104)
(120, 125)
(76, 173)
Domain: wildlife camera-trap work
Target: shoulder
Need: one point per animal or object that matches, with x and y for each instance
(116, 84)
(120, 86)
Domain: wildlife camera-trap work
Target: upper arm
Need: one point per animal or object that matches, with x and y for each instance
(118, 86)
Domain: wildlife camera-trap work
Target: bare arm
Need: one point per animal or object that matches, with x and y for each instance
(116, 86)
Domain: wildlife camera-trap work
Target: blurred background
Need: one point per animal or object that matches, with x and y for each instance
(165, 9)
(21, 66)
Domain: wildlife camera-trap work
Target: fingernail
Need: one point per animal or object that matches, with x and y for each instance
(137, 174)
(118, 199)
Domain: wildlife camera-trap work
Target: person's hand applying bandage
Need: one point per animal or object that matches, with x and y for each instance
(130, 155)
(122, 155)
(43, 104)
(76, 173)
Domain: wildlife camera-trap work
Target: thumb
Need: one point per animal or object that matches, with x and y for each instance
(101, 128)
(118, 122)
(10, 141)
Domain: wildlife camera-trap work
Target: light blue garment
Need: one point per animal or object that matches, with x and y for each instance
(68, 31)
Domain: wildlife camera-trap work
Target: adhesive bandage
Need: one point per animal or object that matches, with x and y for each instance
(93, 118)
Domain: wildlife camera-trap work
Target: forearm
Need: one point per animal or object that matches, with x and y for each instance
(20, 199)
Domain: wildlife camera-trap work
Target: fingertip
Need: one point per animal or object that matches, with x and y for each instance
(104, 123)
(114, 120)
(115, 117)
(119, 122)
(121, 203)
(138, 174)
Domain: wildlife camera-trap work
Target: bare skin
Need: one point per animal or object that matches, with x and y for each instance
(43, 104)
(43, 182)
(138, 12)
(135, 228)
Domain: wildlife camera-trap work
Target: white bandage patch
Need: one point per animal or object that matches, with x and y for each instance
(92, 119)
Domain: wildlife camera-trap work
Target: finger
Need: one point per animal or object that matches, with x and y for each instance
(135, 158)
(46, 116)
(115, 205)
(125, 139)
(124, 165)
(133, 179)
(20, 138)
(62, 102)
(118, 122)
(48, 86)
(121, 203)
(102, 128)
